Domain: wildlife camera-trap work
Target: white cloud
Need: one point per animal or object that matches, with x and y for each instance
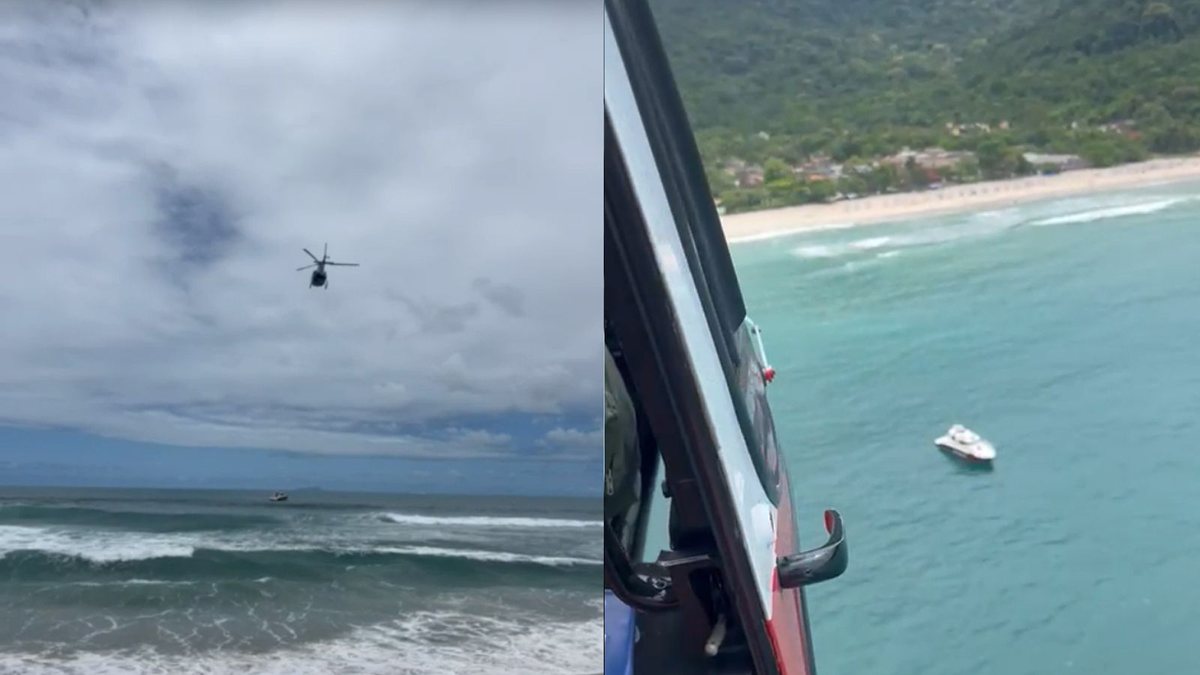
(571, 439)
(162, 164)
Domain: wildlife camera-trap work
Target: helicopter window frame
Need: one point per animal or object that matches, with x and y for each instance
(695, 218)
(638, 308)
(688, 363)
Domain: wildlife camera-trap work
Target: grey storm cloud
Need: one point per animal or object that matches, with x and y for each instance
(163, 164)
(508, 298)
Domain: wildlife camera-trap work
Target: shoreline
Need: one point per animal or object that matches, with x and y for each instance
(782, 222)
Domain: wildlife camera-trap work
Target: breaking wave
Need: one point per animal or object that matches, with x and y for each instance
(1092, 215)
(487, 521)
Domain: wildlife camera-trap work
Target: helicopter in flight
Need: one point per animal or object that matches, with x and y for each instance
(319, 275)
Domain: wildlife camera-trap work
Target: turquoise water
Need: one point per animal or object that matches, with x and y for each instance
(1068, 333)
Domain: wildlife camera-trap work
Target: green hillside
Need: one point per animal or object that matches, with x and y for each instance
(1110, 80)
(760, 64)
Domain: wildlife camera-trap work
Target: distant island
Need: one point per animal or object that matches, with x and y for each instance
(806, 102)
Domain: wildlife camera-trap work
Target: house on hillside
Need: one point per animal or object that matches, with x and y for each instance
(733, 166)
(1121, 127)
(749, 177)
(956, 129)
(929, 158)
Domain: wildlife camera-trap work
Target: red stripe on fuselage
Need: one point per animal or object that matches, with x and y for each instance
(786, 626)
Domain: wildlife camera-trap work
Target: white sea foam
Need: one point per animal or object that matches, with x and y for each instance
(870, 243)
(927, 236)
(819, 251)
(420, 643)
(100, 546)
(997, 213)
(487, 521)
(93, 545)
(988, 223)
(1092, 215)
(776, 234)
(490, 556)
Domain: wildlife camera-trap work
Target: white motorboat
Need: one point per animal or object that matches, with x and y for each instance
(966, 444)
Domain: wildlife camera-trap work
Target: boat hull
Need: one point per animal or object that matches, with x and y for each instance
(963, 455)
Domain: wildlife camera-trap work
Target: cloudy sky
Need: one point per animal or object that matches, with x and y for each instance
(163, 164)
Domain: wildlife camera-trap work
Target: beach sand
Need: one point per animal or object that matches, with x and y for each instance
(954, 199)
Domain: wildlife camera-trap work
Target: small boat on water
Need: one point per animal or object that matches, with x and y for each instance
(279, 497)
(966, 444)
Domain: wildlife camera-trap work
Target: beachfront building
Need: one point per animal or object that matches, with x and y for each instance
(1055, 163)
(819, 168)
(744, 174)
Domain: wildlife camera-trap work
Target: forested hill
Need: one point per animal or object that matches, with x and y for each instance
(747, 64)
(863, 78)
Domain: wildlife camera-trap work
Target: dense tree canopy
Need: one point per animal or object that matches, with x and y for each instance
(1110, 80)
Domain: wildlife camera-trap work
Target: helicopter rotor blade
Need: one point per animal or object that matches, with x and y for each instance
(298, 269)
(330, 262)
(311, 255)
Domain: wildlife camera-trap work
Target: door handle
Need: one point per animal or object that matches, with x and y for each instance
(819, 564)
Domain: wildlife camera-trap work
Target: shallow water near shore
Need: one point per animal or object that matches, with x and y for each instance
(1063, 331)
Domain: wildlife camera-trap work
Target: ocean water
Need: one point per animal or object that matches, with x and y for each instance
(1068, 334)
(141, 581)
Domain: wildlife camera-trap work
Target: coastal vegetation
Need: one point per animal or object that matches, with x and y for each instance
(799, 101)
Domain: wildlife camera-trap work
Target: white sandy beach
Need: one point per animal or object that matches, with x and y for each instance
(958, 198)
